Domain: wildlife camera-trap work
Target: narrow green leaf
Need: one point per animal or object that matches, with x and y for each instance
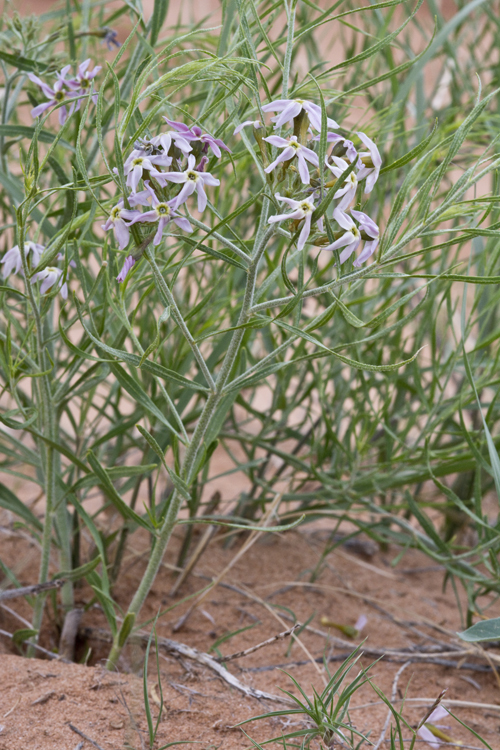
(10, 502)
(160, 10)
(178, 483)
(22, 63)
(411, 154)
(81, 572)
(113, 495)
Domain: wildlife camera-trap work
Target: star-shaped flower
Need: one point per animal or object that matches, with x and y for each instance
(83, 80)
(119, 221)
(354, 235)
(50, 276)
(348, 191)
(163, 213)
(301, 210)
(371, 161)
(191, 180)
(12, 261)
(195, 133)
(138, 161)
(290, 108)
(291, 149)
(59, 93)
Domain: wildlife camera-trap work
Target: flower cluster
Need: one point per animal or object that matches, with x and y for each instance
(297, 154)
(12, 263)
(176, 157)
(66, 88)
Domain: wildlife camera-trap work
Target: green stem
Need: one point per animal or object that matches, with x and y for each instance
(49, 456)
(194, 446)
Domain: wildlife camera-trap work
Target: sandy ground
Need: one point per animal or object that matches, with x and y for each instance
(280, 577)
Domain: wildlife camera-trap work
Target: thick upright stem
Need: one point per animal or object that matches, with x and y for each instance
(194, 446)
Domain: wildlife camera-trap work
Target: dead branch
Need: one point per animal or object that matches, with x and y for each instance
(36, 588)
(84, 736)
(178, 649)
(252, 649)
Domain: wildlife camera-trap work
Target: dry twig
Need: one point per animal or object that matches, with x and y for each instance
(182, 650)
(393, 697)
(84, 736)
(36, 588)
(252, 649)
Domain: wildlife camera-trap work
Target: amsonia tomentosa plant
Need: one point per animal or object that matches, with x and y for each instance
(186, 228)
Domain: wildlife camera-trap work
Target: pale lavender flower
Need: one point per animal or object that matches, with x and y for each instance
(195, 133)
(142, 198)
(348, 191)
(303, 209)
(110, 38)
(256, 124)
(340, 144)
(163, 142)
(138, 161)
(179, 141)
(370, 163)
(290, 108)
(117, 221)
(291, 148)
(128, 264)
(59, 93)
(353, 236)
(12, 259)
(163, 213)
(369, 232)
(361, 623)
(192, 180)
(50, 276)
(350, 239)
(83, 80)
(425, 734)
(154, 146)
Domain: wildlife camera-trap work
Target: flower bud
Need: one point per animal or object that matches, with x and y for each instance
(301, 126)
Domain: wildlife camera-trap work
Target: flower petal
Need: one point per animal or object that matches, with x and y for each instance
(276, 140)
(343, 219)
(122, 233)
(347, 239)
(303, 169)
(202, 197)
(345, 254)
(276, 106)
(306, 230)
(183, 223)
